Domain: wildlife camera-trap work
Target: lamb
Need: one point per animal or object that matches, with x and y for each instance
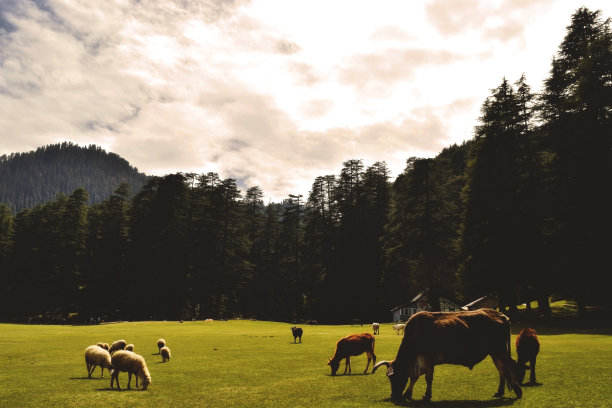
(165, 354)
(97, 356)
(132, 363)
(118, 345)
(103, 345)
(160, 343)
(129, 347)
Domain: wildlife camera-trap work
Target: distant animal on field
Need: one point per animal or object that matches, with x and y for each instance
(376, 328)
(165, 354)
(352, 345)
(160, 343)
(312, 322)
(527, 349)
(297, 333)
(399, 328)
(462, 338)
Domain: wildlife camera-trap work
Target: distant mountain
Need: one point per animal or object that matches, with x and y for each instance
(36, 177)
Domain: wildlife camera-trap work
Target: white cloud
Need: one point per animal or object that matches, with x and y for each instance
(271, 93)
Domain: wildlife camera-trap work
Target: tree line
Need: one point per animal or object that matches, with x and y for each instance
(521, 211)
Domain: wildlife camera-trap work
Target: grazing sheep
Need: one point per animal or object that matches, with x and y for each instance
(103, 345)
(97, 356)
(132, 363)
(297, 332)
(165, 354)
(160, 343)
(376, 328)
(118, 345)
(129, 347)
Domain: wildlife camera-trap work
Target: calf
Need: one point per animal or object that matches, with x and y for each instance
(376, 328)
(352, 345)
(527, 348)
(399, 328)
(297, 333)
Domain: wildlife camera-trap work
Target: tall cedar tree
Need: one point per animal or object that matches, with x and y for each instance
(576, 105)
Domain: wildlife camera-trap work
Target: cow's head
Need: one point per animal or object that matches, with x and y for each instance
(398, 378)
(334, 364)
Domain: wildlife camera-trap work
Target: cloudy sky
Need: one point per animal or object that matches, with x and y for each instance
(271, 93)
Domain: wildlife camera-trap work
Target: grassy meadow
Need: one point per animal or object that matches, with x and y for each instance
(254, 363)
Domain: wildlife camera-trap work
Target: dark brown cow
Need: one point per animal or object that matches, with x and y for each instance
(352, 345)
(463, 338)
(527, 348)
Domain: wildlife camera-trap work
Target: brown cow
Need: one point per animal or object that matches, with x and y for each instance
(463, 338)
(527, 348)
(352, 345)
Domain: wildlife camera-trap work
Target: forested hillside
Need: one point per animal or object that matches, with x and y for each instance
(36, 177)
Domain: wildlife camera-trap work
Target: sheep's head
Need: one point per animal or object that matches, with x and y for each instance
(146, 382)
(334, 364)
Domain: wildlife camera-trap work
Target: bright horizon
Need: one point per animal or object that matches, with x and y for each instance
(271, 93)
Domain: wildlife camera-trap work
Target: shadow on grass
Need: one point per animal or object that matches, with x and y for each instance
(84, 378)
(531, 384)
(497, 402)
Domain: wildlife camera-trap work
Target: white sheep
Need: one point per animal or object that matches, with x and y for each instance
(165, 354)
(97, 356)
(129, 347)
(118, 345)
(132, 363)
(160, 343)
(103, 345)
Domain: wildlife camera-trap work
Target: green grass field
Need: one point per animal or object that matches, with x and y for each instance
(252, 364)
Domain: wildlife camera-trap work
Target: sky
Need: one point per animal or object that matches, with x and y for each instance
(270, 93)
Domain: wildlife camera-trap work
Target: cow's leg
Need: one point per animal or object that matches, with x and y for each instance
(408, 393)
(429, 373)
(532, 375)
(502, 377)
(369, 359)
(347, 363)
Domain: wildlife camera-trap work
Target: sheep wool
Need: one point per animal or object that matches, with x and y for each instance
(129, 347)
(160, 343)
(165, 354)
(132, 363)
(118, 345)
(97, 356)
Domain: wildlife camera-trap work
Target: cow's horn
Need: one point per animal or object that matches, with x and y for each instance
(379, 364)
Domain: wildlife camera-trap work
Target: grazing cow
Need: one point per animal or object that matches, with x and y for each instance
(357, 322)
(297, 332)
(399, 328)
(462, 338)
(376, 328)
(352, 345)
(312, 322)
(527, 348)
